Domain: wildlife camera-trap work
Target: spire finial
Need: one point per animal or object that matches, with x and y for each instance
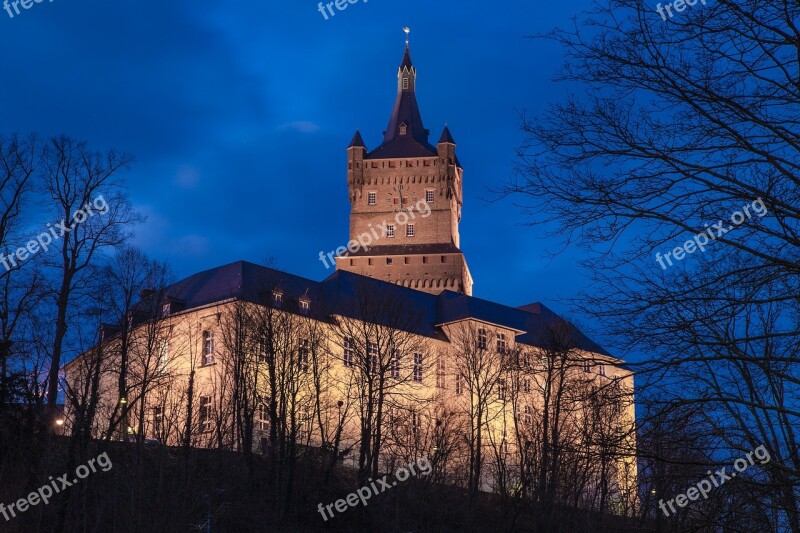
(407, 30)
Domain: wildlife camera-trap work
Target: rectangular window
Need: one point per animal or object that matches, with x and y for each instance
(302, 355)
(482, 341)
(602, 370)
(429, 197)
(405, 83)
(372, 198)
(587, 366)
(390, 230)
(440, 374)
(262, 418)
(395, 369)
(277, 299)
(501, 389)
(418, 367)
(527, 415)
(410, 230)
(205, 413)
(459, 384)
(424, 260)
(349, 352)
(444, 259)
(389, 261)
(526, 386)
(501, 343)
(208, 347)
(305, 306)
(372, 357)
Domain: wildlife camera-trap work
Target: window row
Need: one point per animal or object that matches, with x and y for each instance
(372, 197)
(372, 360)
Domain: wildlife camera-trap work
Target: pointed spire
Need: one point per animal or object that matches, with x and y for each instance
(446, 136)
(357, 141)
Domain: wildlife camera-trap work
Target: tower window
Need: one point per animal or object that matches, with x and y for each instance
(424, 260)
(405, 83)
(390, 231)
(429, 196)
(407, 260)
(410, 230)
(403, 129)
(372, 198)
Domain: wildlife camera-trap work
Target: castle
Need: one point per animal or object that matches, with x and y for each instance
(389, 357)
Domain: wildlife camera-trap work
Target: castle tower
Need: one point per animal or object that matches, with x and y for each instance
(405, 201)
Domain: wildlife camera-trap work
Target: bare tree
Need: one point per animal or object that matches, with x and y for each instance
(76, 178)
(384, 357)
(680, 168)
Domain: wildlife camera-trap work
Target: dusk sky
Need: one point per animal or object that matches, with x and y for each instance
(239, 115)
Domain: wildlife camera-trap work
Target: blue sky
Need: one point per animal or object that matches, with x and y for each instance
(238, 115)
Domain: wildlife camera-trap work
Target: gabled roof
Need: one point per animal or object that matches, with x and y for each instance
(339, 295)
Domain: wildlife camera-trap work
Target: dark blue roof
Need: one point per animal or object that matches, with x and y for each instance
(339, 295)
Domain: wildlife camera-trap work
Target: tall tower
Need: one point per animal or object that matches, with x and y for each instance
(406, 197)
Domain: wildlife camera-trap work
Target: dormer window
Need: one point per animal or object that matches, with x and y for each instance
(277, 298)
(305, 306)
(165, 309)
(403, 128)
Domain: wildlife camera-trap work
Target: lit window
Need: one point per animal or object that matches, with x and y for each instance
(205, 413)
(440, 381)
(418, 367)
(429, 196)
(410, 230)
(482, 339)
(349, 352)
(372, 198)
(305, 305)
(208, 347)
(501, 343)
(390, 231)
(302, 355)
(395, 368)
